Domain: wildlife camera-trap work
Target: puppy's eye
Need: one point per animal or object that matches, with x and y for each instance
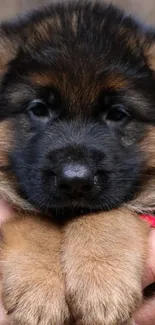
(117, 113)
(38, 109)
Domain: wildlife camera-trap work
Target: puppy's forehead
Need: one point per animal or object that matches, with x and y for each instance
(75, 54)
(81, 51)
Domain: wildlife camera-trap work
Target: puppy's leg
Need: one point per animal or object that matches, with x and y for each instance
(103, 258)
(32, 282)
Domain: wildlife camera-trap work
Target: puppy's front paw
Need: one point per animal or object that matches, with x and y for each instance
(103, 259)
(32, 281)
(33, 295)
(101, 297)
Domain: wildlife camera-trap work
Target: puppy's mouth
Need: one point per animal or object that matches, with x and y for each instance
(75, 204)
(65, 213)
(73, 208)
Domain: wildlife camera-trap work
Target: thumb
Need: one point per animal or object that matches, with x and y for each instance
(146, 313)
(6, 211)
(149, 275)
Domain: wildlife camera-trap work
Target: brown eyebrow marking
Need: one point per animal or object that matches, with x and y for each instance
(43, 79)
(115, 82)
(150, 56)
(112, 81)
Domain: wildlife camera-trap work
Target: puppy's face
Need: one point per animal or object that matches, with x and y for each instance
(78, 96)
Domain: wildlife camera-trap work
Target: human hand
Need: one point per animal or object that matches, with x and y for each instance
(146, 313)
(6, 213)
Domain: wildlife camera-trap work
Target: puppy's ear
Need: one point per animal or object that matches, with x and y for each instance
(149, 49)
(150, 56)
(10, 40)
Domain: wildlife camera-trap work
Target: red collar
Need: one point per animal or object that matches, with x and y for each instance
(150, 219)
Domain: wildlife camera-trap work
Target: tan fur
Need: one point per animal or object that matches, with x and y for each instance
(144, 202)
(150, 54)
(8, 49)
(114, 82)
(74, 23)
(8, 183)
(103, 276)
(6, 142)
(34, 292)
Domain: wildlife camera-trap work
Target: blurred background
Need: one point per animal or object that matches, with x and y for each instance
(145, 9)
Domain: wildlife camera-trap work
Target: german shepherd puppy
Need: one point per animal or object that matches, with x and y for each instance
(77, 142)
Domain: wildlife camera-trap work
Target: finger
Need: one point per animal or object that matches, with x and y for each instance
(146, 313)
(6, 212)
(3, 316)
(149, 276)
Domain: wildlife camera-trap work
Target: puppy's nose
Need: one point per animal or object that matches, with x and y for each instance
(75, 179)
